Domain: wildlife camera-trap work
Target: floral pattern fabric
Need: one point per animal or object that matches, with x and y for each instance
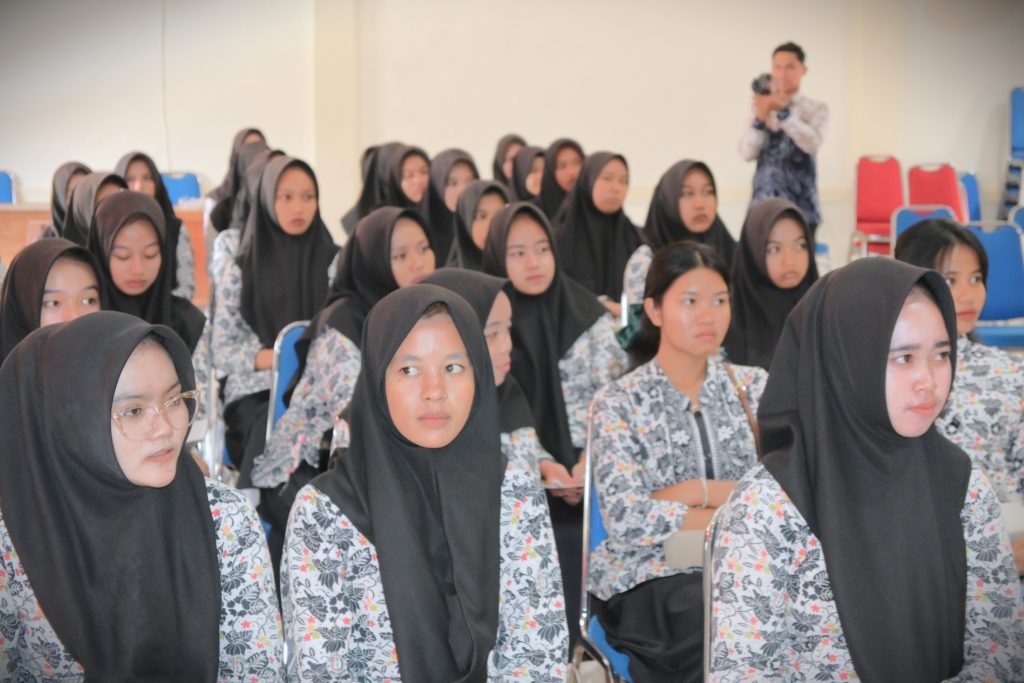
(774, 615)
(185, 269)
(634, 280)
(251, 643)
(336, 615)
(646, 438)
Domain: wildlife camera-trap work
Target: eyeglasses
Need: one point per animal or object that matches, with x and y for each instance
(138, 422)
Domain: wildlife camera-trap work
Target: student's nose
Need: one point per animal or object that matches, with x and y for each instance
(433, 386)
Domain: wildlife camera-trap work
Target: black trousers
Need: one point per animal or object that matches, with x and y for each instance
(245, 432)
(567, 524)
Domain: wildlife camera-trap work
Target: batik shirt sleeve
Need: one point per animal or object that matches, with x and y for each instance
(635, 278)
(592, 362)
(185, 272)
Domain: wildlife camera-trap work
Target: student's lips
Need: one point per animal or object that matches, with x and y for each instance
(162, 456)
(434, 420)
(924, 409)
(971, 314)
(136, 285)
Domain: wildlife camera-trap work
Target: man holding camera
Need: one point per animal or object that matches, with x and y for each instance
(784, 134)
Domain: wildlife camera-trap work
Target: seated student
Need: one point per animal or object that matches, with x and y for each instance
(220, 200)
(670, 440)
(118, 561)
(773, 269)
(563, 162)
(985, 412)
(128, 238)
(489, 297)
(477, 205)
(65, 179)
(527, 170)
(864, 546)
(249, 190)
(684, 207)
(564, 350)
(88, 193)
(388, 250)
(451, 172)
(376, 191)
(50, 281)
(420, 555)
(596, 237)
(277, 275)
(504, 157)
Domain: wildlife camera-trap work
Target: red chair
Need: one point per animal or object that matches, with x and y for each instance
(879, 193)
(938, 184)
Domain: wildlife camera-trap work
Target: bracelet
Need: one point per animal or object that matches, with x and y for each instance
(704, 484)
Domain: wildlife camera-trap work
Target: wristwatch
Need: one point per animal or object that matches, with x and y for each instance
(782, 114)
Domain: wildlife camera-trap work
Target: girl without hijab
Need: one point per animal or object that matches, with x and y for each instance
(489, 297)
(985, 412)
(50, 281)
(141, 174)
(477, 205)
(684, 207)
(564, 351)
(375, 174)
(89, 192)
(420, 556)
(389, 249)
(65, 179)
(118, 560)
(773, 269)
(504, 154)
(563, 162)
(221, 198)
(278, 274)
(128, 239)
(527, 170)
(864, 546)
(596, 237)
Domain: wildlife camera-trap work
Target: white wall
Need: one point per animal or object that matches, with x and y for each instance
(657, 80)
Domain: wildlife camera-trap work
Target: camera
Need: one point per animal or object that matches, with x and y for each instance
(762, 85)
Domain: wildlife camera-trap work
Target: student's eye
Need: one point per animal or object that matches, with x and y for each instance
(722, 301)
(689, 301)
(454, 368)
(515, 253)
(425, 248)
(942, 355)
(544, 248)
(976, 280)
(132, 412)
(902, 359)
(151, 256)
(479, 216)
(398, 256)
(802, 245)
(773, 249)
(91, 301)
(51, 303)
(408, 371)
(686, 194)
(120, 257)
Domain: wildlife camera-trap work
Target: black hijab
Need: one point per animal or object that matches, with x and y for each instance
(464, 252)
(223, 212)
(83, 205)
(59, 193)
(522, 164)
(595, 246)
(171, 220)
(664, 224)
(480, 290)
(21, 299)
(442, 220)
(551, 193)
(499, 156)
(759, 307)
(375, 169)
(232, 177)
(156, 305)
(127, 575)
(284, 277)
(544, 328)
(433, 514)
(886, 508)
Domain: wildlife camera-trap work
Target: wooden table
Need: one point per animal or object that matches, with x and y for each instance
(21, 224)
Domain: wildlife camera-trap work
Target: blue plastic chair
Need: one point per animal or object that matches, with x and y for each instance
(181, 186)
(1017, 123)
(1017, 216)
(907, 216)
(970, 183)
(6, 188)
(1004, 298)
(286, 364)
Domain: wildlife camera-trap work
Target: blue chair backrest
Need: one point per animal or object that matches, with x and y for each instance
(6, 188)
(1017, 216)
(597, 531)
(286, 364)
(970, 183)
(1017, 123)
(907, 216)
(181, 186)
(1004, 297)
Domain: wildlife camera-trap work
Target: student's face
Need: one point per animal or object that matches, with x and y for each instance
(510, 154)
(918, 373)
(489, 204)
(71, 291)
(694, 313)
(498, 332)
(149, 379)
(460, 175)
(787, 72)
(568, 163)
(73, 181)
(698, 203)
(412, 259)
(535, 175)
(787, 256)
(962, 271)
(529, 260)
(429, 383)
(415, 176)
(140, 178)
(105, 190)
(611, 187)
(253, 136)
(135, 258)
(295, 201)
